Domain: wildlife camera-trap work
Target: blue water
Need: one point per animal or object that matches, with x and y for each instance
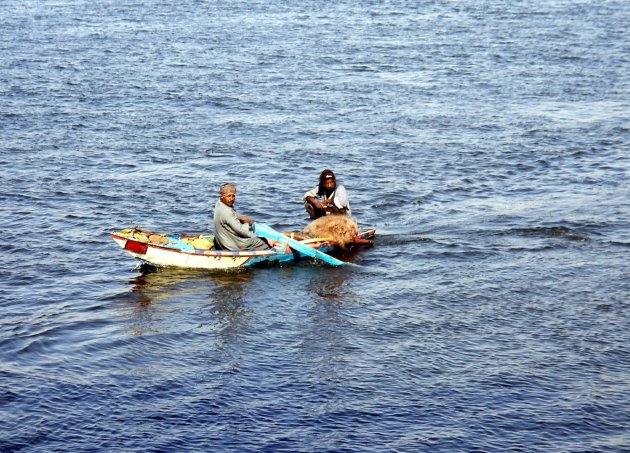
(486, 141)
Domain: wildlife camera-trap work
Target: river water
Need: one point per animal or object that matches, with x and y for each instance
(486, 141)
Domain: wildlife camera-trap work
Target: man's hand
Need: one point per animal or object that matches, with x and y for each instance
(325, 204)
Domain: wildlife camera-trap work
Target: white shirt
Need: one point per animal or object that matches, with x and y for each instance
(339, 196)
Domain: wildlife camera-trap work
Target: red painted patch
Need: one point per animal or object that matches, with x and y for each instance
(136, 247)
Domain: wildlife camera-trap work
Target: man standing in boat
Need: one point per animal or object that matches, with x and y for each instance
(327, 198)
(232, 232)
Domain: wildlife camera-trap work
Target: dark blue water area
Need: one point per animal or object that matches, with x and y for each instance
(487, 143)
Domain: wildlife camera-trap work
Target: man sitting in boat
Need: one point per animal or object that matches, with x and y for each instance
(327, 198)
(232, 232)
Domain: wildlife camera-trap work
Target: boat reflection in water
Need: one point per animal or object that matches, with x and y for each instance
(169, 299)
(228, 305)
(231, 320)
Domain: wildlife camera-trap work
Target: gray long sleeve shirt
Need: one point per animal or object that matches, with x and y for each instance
(232, 234)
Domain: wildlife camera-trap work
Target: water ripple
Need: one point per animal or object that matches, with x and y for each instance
(486, 142)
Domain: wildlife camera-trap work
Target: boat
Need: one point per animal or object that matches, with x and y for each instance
(197, 252)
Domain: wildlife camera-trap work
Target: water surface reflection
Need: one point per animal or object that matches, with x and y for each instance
(329, 341)
(167, 299)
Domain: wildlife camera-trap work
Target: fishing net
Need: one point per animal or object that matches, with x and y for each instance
(339, 229)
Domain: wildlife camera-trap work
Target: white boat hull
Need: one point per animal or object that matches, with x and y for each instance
(165, 255)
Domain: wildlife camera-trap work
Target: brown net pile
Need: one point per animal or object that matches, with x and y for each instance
(339, 229)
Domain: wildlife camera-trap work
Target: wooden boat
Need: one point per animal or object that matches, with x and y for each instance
(197, 252)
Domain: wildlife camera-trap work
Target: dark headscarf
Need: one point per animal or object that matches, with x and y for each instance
(326, 174)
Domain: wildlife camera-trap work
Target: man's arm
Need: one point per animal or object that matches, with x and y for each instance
(233, 222)
(341, 197)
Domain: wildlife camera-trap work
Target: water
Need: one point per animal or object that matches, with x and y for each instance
(486, 141)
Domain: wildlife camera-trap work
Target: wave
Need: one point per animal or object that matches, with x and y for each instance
(548, 232)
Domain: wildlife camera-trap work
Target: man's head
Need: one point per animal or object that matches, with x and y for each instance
(227, 194)
(327, 181)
